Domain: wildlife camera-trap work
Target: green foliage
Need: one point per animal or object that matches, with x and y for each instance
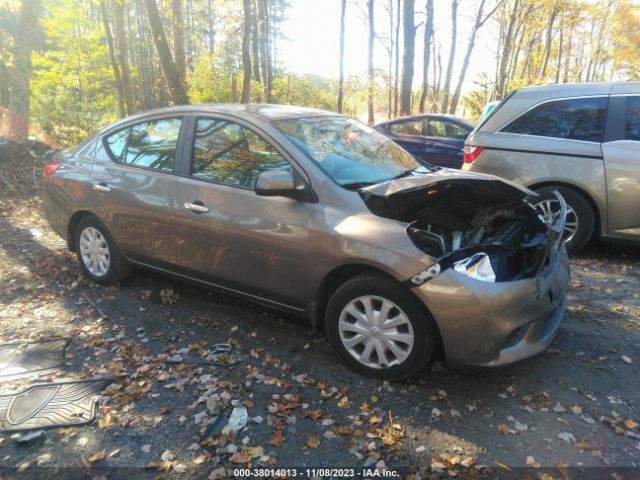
(72, 87)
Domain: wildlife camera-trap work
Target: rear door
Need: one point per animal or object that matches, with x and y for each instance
(134, 184)
(621, 151)
(446, 139)
(409, 134)
(226, 234)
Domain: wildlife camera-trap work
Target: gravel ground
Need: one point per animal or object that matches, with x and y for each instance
(571, 412)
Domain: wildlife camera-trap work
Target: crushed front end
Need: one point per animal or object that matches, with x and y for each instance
(498, 288)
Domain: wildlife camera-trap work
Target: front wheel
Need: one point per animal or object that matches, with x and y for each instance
(379, 329)
(97, 253)
(580, 218)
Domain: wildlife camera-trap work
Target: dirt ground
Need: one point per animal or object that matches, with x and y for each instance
(571, 412)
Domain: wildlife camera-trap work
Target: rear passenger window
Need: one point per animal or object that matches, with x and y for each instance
(149, 145)
(576, 119)
(633, 118)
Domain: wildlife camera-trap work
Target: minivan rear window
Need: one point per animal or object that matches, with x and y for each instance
(573, 118)
(633, 118)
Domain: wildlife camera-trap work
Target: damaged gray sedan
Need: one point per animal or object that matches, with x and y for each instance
(319, 215)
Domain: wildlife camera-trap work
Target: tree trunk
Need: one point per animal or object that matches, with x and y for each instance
(23, 46)
(210, 25)
(452, 55)
(370, 82)
(171, 75)
(246, 55)
(547, 47)
(396, 90)
(428, 33)
(409, 28)
(390, 71)
(177, 25)
(341, 79)
(112, 58)
(506, 50)
(467, 56)
(437, 73)
(123, 58)
(255, 47)
(560, 45)
(264, 49)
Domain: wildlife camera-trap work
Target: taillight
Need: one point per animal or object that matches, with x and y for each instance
(50, 168)
(471, 152)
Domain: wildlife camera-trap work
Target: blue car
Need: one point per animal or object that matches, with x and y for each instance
(435, 139)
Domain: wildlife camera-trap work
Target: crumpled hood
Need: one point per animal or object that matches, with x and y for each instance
(448, 198)
(420, 181)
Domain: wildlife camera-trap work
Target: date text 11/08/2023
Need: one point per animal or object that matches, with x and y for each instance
(334, 473)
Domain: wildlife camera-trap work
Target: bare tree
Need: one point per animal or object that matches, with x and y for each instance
(409, 28)
(370, 85)
(343, 11)
(171, 76)
(123, 51)
(452, 55)
(502, 82)
(24, 43)
(246, 54)
(112, 58)
(177, 25)
(479, 22)
(396, 90)
(428, 34)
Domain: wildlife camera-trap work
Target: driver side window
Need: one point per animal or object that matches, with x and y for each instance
(229, 153)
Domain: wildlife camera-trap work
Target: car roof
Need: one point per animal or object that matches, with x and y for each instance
(436, 116)
(253, 111)
(525, 98)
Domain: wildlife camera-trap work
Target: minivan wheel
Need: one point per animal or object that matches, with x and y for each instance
(379, 328)
(580, 218)
(97, 253)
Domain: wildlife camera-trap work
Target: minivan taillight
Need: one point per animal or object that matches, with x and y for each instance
(50, 168)
(471, 152)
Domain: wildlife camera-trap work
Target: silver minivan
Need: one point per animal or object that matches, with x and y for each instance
(582, 140)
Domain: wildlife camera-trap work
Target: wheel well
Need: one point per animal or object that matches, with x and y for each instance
(594, 208)
(339, 276)
(71, 228)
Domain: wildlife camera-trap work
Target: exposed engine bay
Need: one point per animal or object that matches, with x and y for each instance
(486, 225)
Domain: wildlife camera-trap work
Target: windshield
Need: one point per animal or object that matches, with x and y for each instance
(352, 154)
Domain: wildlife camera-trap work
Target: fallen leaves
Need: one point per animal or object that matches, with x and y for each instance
(97, 457)
(312, 441)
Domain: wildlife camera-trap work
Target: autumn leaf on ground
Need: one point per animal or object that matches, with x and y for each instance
(313, 441)
(277, 439)
(240, 457)
(630, 424)
(97, 457)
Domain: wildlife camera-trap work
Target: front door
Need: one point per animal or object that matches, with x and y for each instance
(228, 235)
(134, 187)
(622, 165)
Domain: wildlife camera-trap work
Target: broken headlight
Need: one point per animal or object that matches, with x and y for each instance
(477, 266)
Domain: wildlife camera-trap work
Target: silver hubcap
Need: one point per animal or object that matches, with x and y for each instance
(376, 332)
(94, 251)
(550, 210)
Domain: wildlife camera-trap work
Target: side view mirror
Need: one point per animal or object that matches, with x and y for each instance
(278, 183)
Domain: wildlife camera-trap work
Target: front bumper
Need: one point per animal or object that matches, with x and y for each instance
(492, 324)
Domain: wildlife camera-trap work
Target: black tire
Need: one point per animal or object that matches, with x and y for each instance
(118, 268)
(380, 286)
(583, 211)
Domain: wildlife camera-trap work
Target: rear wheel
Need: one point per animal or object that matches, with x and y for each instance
(379, 329)
(580, 218)
(97, 253)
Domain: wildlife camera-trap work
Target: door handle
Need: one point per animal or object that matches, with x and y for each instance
(101, 187)
(194, 207)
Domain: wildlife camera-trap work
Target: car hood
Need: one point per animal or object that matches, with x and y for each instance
(451, 196)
